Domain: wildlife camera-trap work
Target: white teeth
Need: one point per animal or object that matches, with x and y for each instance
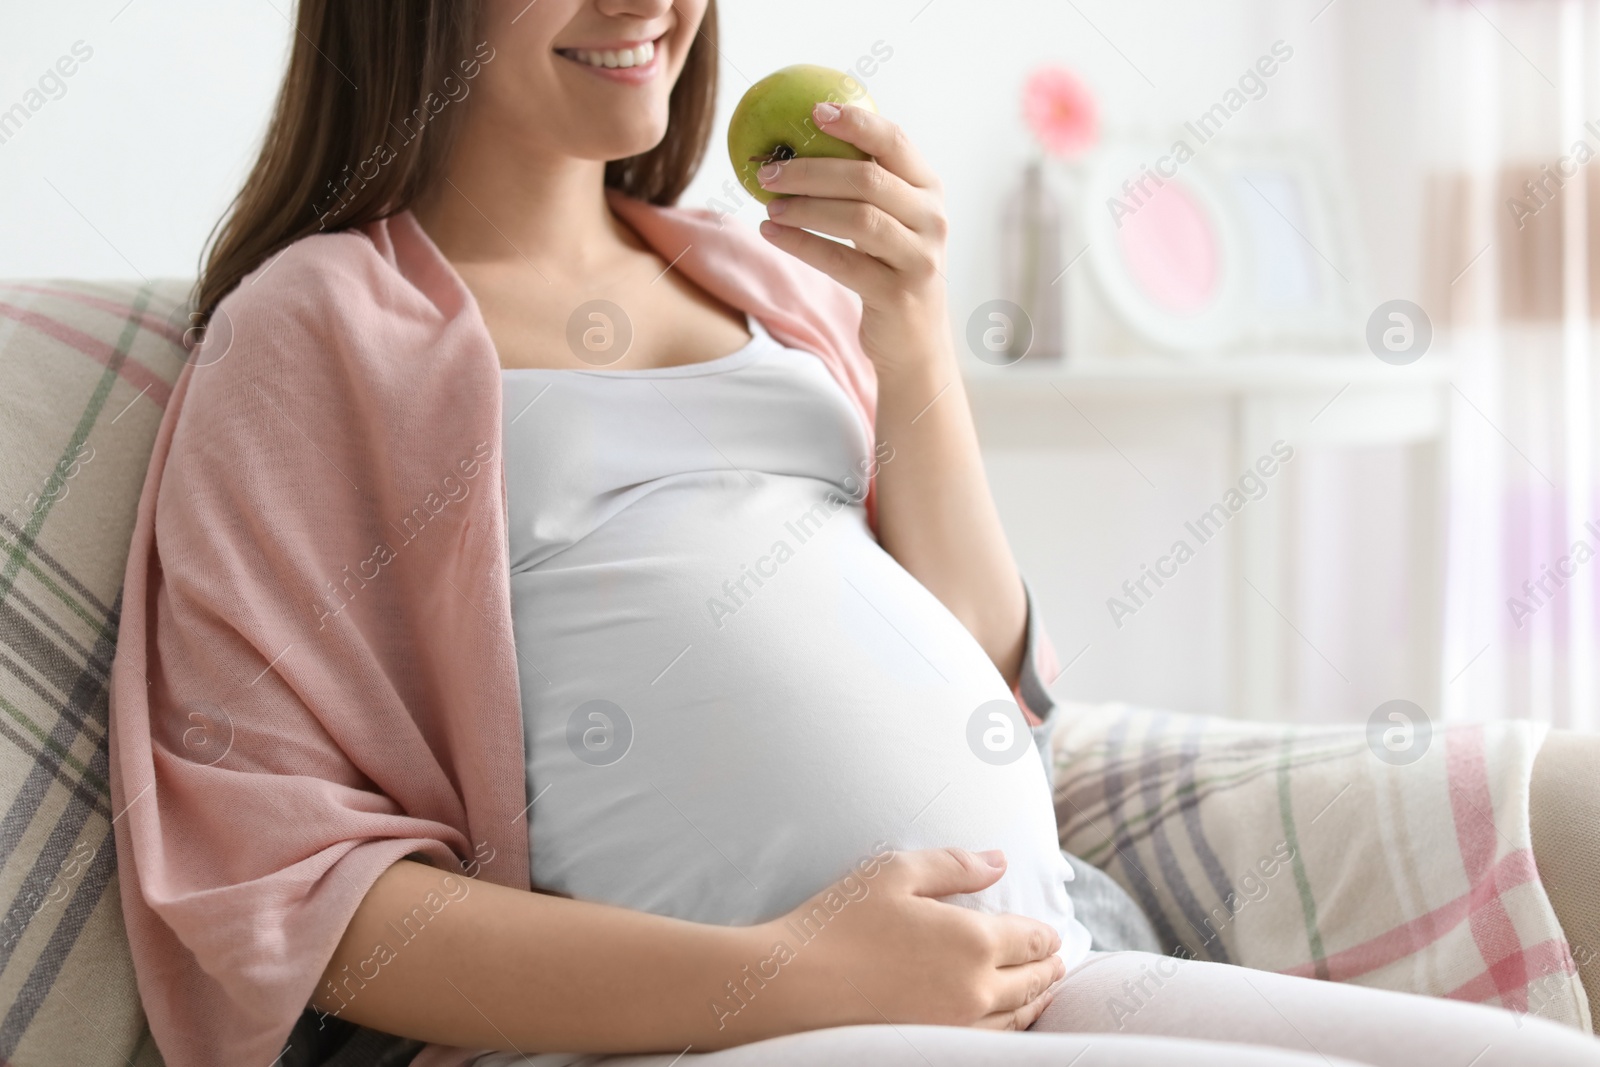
(626, 57)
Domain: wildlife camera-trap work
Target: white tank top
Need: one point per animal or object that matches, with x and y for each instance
(732, 694)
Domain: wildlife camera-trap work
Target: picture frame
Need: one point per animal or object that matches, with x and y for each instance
(1306, 270)
(1167, 257)
(1263, 227)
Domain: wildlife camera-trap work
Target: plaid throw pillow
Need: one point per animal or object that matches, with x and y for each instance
(1317, 851)
(85, 371)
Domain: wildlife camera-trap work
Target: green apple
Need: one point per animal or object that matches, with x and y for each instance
(773, 121)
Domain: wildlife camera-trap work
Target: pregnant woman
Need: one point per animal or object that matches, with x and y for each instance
(514, 530)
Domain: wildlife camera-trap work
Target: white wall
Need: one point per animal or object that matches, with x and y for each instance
(152, 137)
(156, 130)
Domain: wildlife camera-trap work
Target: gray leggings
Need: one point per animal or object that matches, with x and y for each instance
(1135, 1009)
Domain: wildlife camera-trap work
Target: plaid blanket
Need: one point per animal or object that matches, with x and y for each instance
(85, 370)
(1301, 850)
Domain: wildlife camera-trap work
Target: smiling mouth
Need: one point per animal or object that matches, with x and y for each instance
(641, 55)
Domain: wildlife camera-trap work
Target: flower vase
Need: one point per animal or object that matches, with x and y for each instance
(1032, 242)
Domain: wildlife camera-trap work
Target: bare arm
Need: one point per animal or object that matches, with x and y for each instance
(502, 968)
(935, 512)
(499, 968)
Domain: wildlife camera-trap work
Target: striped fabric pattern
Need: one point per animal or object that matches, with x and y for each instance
(85, 370)
(1298, 850)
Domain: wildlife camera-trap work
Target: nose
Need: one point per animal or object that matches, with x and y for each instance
(641, 9)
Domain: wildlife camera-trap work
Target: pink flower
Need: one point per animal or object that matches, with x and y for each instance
(1061, 111)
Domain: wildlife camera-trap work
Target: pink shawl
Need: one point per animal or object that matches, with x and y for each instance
(316, 673)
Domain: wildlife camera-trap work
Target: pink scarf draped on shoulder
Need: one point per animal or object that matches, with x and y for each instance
(316, 674)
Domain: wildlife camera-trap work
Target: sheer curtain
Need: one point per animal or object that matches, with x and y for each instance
(1512, 274)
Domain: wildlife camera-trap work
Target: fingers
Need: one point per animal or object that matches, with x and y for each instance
(1024, 940)
(1019, 987)
(888, 207)
(878, 138)
(873, 230)
(855, 179)
(942, 872)
(1019, 1018)
(845, 265)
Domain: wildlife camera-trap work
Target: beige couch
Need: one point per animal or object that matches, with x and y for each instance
(1290, 849)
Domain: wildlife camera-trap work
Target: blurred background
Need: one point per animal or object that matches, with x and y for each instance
(1336, 346)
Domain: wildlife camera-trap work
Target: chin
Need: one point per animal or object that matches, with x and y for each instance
(634, 144)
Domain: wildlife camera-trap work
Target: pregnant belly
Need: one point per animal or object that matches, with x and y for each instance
(722, 727)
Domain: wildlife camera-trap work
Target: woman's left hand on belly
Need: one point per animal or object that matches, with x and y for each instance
(892, 208)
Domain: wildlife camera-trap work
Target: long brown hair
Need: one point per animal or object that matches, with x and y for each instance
(371, 87)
